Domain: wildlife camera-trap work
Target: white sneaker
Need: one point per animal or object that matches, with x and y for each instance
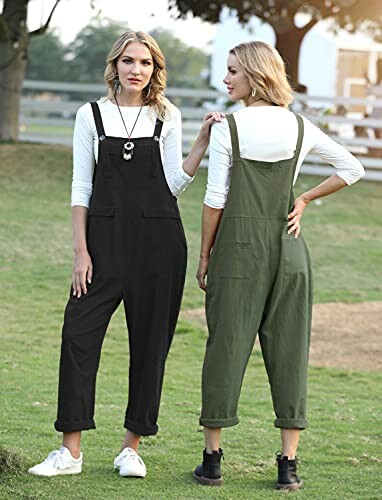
(130, 464)
(58, 462)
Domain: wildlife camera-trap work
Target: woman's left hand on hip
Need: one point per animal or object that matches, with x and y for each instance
(295, 216)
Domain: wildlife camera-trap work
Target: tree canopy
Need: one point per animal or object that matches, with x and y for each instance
(46, 58)
(87, 53)
(349, 14)
(352, 15)
(186, 66)
(84, 59)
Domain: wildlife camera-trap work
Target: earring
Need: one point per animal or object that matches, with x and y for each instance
(117, 83)
(253, 93)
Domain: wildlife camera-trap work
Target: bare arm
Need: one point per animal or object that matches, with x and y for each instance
(210, 223)
(329, 186)
(192, 162)
(82, 265)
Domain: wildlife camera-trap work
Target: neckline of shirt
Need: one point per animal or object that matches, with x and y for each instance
(264, 107)
(135, 108)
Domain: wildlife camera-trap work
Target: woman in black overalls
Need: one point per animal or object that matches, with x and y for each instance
(129, 246)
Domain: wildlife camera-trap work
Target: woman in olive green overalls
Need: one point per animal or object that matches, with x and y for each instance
(259, 271)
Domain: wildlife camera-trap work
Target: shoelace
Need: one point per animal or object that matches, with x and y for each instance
(131, 455)
(56, 458)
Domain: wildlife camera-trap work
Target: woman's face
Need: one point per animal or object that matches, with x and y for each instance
(237, 82)
(135, 66)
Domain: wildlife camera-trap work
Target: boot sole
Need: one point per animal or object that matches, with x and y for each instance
(289, 487)
(208, 482)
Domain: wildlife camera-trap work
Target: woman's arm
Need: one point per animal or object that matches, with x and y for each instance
(349, 170)
(180, 173)
(210, 223)
(219, 174)
(329, 186)
(82, 265)
(82, 186)
(192, 162)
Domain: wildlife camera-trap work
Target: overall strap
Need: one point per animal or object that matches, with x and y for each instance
(234, 137)
(158, 129)
(107, 172)
(157, 132)
(98, 120)
(300, 137)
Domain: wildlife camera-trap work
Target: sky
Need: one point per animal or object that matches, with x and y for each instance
(72, 15)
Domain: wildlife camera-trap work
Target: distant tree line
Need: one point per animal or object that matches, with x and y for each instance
(84, 59)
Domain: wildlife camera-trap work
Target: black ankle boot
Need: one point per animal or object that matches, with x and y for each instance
(209, 473)
(287, 473)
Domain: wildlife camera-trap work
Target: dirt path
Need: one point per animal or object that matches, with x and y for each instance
(343, 336)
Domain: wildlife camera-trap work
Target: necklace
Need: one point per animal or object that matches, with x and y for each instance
(128, 147)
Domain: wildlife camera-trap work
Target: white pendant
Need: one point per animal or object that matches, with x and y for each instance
(127, 156)
(127, 151)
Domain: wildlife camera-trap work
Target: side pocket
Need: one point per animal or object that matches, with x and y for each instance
(100, 230)
(182, 234)
(295, 255)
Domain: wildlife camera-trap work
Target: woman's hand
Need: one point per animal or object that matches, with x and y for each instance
(82, 272)
(295, 216)
(202, 272)
(208, 120)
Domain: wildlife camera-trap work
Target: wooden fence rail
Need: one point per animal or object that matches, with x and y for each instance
(48, 111)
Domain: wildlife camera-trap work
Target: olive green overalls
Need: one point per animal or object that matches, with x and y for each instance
(259, 280)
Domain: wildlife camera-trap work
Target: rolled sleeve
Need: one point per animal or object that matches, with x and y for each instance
(180, 181)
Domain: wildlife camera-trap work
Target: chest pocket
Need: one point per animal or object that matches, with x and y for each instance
(101, 211)
(161, 213)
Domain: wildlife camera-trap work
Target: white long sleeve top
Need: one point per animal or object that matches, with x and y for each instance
(269, 133)
(85, 144)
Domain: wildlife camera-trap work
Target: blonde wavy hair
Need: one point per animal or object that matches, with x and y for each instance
(265, 69)
(154, 98)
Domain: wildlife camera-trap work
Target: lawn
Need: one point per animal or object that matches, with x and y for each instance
(340, 454)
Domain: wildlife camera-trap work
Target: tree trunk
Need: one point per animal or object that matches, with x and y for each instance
(288, 44)
(12, 72)
(13, 58)
(14, 40)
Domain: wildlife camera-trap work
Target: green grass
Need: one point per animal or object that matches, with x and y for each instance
(341, 453)
(48, 130)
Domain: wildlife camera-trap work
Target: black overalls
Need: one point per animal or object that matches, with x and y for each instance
(138, 249)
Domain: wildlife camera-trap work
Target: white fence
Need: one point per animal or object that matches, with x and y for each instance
(48, 112)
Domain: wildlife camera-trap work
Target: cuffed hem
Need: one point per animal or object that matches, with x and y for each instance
(185, 176)
(217, 423)
(76, 426)
(291, 423)
(140, 429)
